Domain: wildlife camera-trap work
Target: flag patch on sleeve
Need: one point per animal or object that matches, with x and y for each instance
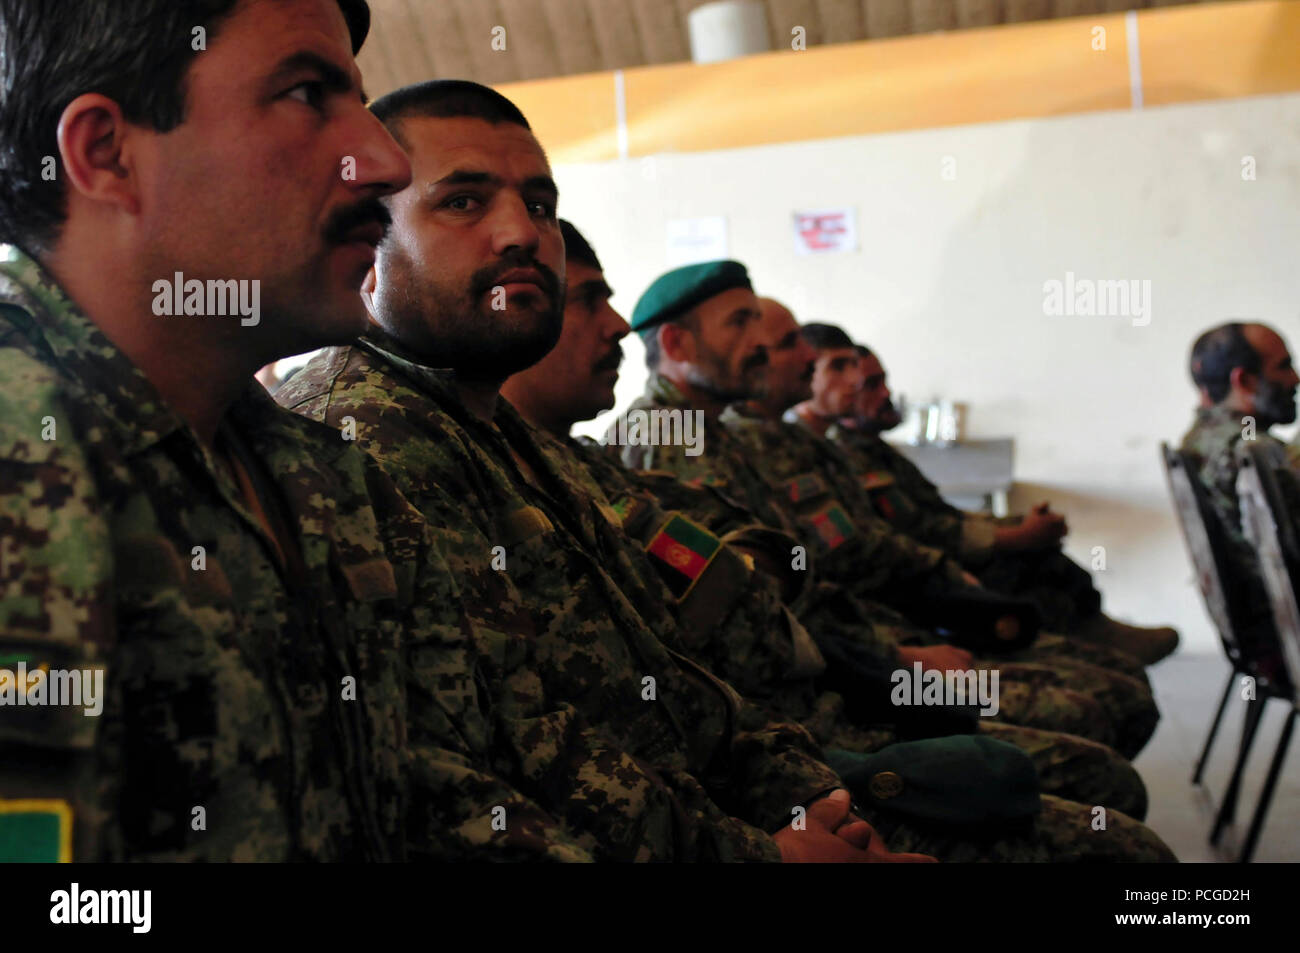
(681, 551)
(35, 832)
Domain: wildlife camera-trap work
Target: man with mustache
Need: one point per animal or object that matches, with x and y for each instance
(1247, 384)
(1018, 555)
(702, 325)
(741, 641)
(279, 637)
(626, 741)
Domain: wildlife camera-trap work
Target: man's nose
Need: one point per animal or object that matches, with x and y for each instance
(379, 165)
(513, 226)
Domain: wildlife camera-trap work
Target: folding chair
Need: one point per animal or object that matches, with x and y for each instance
(1205, 546)
(1269, 522)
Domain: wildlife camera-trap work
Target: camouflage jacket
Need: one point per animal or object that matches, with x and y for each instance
(902, 495)
(638, 748)
(795, 484)
(1210, 444)
(260, 705)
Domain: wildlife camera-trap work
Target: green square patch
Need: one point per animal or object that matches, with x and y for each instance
(35, 832)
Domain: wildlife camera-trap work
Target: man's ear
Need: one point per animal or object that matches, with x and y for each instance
(676, 343)
(368, 291)
(92, 137)
(1242, 380)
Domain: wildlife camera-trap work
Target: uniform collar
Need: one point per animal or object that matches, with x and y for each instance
(89, 362)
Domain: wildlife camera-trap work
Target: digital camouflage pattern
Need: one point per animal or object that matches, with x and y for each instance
(618, 732)
(794, 477)
(225, 665)
(748, 639)
(1210, 445)
(495, 474)
(901, 494)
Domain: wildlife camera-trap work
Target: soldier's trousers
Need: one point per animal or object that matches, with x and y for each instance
(1063, 832)
(1060, 588)
(1054, 692)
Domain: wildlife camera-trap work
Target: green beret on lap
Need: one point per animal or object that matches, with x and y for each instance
(960, 779)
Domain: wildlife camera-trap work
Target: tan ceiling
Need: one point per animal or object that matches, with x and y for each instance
(415, 40)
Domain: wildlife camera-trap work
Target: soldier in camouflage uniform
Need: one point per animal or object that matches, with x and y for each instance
(757, 460)
(688, 771)
(1247, 385)
(1019, 555)
(540, 543)
(726, 612)
(281, 643)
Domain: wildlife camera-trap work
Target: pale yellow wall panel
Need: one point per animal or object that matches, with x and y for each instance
(574, 117)
(854, 89)
(1217, 51)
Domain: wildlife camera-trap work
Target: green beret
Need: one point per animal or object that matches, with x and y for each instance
(673, 294)
(959, 779)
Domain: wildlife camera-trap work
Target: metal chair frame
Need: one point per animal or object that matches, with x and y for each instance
(1205, 546)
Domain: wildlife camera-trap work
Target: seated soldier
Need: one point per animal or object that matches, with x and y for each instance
(575, 381)
(710, 348)
(277, 636)
(1018, 555)
(1246, 385)
(637, 748)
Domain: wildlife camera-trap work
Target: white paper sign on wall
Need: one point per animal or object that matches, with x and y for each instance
(692, 240)
(825, 230)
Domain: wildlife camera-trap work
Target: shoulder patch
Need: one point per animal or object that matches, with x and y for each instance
(682, 550)
(833, 525)
(877, 479)
(35, 832)
(806, 486)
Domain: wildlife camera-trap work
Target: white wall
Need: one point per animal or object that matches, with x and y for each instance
(947, 285)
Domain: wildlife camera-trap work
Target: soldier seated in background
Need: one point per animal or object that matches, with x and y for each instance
(574, 382)
(709, 351)
(279, 640)
(1247, 385)
(629, 743)
(1019, 555)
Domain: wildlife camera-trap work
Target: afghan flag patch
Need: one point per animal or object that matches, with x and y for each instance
(681, 551)
(35, 832)
(806, 486)
(833, 525)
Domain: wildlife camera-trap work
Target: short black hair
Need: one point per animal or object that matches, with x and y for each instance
(136, 52)
(1216, 353)
(445, 99)
(577, 248)
(863, 350)
(825, 336)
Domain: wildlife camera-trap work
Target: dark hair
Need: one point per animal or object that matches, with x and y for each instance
(863, 350)
(825, 336)
(445, 99)
(136, 52)
(577, 248)
(1216, 353)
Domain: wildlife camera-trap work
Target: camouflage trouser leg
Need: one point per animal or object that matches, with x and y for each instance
(1037, 703)
(1062, 832)
(1075, 768)
(1062, 589)
(1126, 703)
(1052, 645)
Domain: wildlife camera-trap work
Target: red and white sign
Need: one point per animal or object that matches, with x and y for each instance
(828, 230)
